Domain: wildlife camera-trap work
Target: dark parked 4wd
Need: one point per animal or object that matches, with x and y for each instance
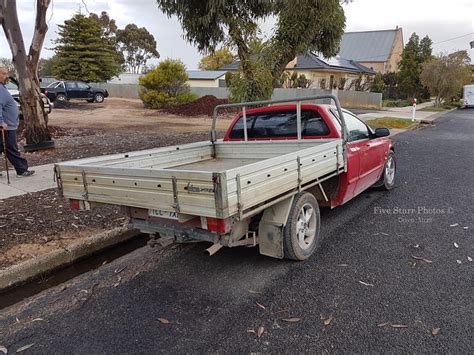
(65, 90)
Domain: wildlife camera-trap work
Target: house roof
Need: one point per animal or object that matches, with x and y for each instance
(205, 74)
(232, 66)
(368, 46)
(313, 61)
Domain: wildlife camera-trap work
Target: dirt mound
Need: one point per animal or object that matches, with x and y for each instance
(202, 106)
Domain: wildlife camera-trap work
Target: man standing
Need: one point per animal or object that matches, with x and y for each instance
(9, 121)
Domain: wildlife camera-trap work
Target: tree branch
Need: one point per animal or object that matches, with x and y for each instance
(40, 33)
(12, 30)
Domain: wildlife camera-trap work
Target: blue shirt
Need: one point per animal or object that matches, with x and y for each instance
(9, 112)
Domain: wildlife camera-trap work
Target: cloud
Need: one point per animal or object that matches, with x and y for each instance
(438, 19)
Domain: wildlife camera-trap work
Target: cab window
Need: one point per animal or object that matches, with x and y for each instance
(11, 86)
(280, 124)
(356, 129)
(82, 86)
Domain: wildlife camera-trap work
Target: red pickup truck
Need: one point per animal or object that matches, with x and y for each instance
(260, 185)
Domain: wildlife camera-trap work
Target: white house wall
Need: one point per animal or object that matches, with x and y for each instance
(203, 83)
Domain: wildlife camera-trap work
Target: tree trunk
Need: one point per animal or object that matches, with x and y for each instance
(242, 50)
(34, 115)
(282, 61)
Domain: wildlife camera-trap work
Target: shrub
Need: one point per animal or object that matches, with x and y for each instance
(186, 97)
(165, 86)
(396, 103)
(156, 99)
(258, 87)
(378, 84)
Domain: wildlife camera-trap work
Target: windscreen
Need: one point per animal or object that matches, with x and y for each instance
(11, 86)
(280, 124)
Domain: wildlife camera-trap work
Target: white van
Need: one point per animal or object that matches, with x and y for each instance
(468, 95)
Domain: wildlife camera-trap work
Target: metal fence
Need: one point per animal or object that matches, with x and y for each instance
(350, 99)
(220, 93)
(128, 91)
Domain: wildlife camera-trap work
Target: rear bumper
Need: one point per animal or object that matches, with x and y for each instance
(178, 232)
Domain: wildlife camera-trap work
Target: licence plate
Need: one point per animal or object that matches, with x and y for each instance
(163, 214)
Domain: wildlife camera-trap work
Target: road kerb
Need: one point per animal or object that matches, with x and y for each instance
(435, 116)
(31, 269)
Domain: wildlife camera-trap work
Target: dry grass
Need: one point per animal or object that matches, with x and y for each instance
(124, 114)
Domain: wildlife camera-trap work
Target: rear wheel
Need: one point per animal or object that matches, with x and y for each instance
(99, 98)
(301, 236)
(387, 180)
(61, 98)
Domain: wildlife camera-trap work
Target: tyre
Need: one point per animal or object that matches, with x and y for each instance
(387, 180)
(61, 98)
(99, 98)
(301, 235)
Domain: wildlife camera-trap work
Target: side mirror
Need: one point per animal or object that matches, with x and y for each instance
(382, 132)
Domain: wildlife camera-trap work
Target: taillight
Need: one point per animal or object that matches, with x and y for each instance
(79, 204)
(75, 204)
(218, 225)
(46, 91)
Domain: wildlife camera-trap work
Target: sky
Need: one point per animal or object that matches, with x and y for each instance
(442, 21)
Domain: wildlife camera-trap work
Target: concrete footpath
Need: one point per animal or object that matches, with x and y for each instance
(43, 179)
(402, 112)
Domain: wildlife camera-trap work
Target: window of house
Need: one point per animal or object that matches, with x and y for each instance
(331, 82)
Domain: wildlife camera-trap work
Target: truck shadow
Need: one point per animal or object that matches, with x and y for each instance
(77, 105)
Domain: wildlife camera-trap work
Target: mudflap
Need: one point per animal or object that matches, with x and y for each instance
(270, 229)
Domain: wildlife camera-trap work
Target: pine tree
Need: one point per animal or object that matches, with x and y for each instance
(84, 52)
(415, 53)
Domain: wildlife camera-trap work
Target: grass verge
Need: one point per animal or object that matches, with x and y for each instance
(390, 122)
(433, 108)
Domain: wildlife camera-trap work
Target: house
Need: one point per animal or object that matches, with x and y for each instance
(206, 78)
(377, 50)
(196, 78)
(336, 73)
(332, 73)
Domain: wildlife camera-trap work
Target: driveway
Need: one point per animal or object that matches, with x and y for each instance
(393, 275)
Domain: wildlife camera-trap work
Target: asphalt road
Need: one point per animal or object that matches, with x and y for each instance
(368, 289)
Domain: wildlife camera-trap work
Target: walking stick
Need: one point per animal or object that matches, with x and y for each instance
(5, 155)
